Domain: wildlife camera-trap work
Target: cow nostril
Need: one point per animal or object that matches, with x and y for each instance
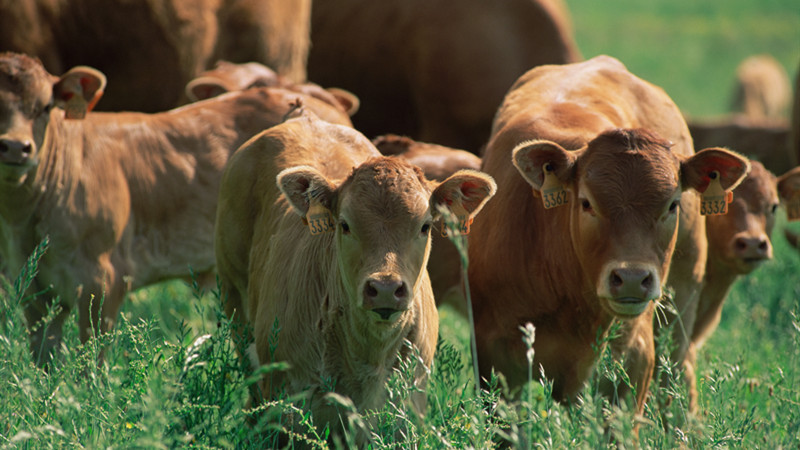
(26, 148)
(740, 244)
(762, 246)
(401, 292)
(616, 280)
(370, 291)
(647, 283)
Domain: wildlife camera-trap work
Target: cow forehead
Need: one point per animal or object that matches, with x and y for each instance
(629, 176)
(387, 188)
(23, 81)
(759, 188)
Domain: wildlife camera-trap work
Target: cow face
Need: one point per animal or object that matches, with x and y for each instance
(624, 192)
(382, 216)
(27, 96)
(740, 239)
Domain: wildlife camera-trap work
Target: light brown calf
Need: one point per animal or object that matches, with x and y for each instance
(127, 199)
(330, 260)
(763, 89)
(434, 70)
(150, 49)
(611, 157)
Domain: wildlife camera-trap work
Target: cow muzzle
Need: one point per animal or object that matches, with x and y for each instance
(15, 152)
(629, 289)
(751, 250)
(386, 297)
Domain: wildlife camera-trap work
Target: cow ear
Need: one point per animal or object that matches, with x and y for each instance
(78, 91)
(463, 193)
(532, 157)
(302, 184)
(789, 185)
(696, 171)
(203, 88)
(347, 100)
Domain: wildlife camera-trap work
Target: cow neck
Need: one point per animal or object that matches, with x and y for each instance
(717, 283)
(58, 172)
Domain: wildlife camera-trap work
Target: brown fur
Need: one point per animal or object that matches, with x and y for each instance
(622, 150)
(434, 71)
(127, 199)
(151, 49)
(316, 287)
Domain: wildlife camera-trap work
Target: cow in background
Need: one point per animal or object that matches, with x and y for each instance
(127, 199)
(434, 71)
(594, 166)
(150, 50)
(321, 248)
(762, 90)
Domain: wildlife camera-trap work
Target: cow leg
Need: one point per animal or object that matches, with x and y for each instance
(44, 337)
(101, 299)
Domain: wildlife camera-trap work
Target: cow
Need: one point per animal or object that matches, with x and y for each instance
(228, 77)
(321, 247)
(437, 163)
(738, 243)
(766, 141)
(762, 89)
(150, 50)
(594, 166)
(127, 199)
(434, 71)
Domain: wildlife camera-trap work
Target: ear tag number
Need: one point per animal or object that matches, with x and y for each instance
(715, 200)
(553, 192)
(319, 218)
(464, 220)
(793, 208)
(76, 107)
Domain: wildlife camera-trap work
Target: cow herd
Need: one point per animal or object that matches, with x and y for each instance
(584, 198)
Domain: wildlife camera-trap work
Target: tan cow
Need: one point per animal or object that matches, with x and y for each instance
(612, 168)
(738, 243)
(434, 70)
(763, 89)
(332, 258)
(127, 199)
(150, 49)
(438, 163)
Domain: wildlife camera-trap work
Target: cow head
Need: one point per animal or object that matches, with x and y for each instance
(740, 239)
(382, 216)
(27, 97)
(623, 194)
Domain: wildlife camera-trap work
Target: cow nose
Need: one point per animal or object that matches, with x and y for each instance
(14, 152)
(385, 297)
(631, 283)
(752, 248)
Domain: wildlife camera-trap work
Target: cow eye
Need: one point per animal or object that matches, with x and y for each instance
(345, 227)
(425, 228)
(674, 206)
(586, 206)
(774, 208)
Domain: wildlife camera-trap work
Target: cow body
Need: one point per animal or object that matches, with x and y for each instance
(337, 306)
(127, 199)
(621, 151)
(415, 74)
(151, 49)
(762, 90)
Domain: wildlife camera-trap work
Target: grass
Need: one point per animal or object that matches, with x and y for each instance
(171, 377)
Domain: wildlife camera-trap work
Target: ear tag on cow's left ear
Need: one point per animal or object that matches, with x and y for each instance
(462, 217)
(76, 107)
(715, 200)
(793, 207)
(553, 192)
(318, 218)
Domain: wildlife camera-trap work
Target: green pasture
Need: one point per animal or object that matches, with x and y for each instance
(161, 388)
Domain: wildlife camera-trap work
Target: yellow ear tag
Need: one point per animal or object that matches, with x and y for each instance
(319, 218)
(553, 192)
(793, 207)
(76, 107)
(464, 220)
(715, 200)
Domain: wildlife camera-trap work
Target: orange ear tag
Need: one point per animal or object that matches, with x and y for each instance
(715, 200)
(464, 220)
(76, 107)
(319, 218)
(553, 192)
(793, 208)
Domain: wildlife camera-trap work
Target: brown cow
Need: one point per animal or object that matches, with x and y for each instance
(150, 49)
(605, 253)
(437, 163)
(763, 89)
(738, 243)
(229, 77)
(434, 71)
(332, 258)
(127, 199)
